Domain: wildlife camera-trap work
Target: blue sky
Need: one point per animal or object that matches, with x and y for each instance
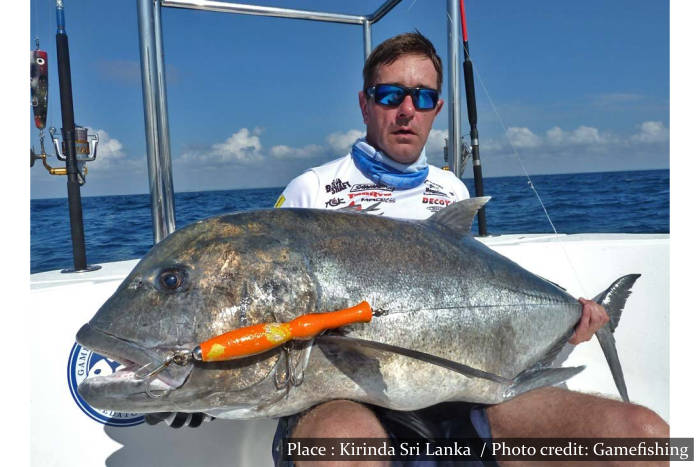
(569, 86)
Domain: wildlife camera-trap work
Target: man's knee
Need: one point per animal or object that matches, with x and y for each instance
(559, 412)
(635, 421)
(339, 419)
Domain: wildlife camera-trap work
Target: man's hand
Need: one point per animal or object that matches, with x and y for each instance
(593, 317)
(178, 419)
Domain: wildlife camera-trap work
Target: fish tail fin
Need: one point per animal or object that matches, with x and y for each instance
(613, 299)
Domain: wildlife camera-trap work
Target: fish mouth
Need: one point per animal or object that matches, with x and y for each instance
(131, 382)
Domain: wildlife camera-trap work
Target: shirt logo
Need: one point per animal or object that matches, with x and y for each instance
(352, 207)
(433, 189)
(333, 202)
(378, 200)
(376, 194)
(337, 186)
(438, 201)
(365, 187)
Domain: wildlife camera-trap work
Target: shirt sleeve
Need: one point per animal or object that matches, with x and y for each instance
(301, 192)
(461, 190)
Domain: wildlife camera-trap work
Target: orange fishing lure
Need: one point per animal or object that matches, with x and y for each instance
(252, 340)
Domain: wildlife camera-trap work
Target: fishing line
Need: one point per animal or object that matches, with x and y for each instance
(527, 175)
(510, 142)
(50, 27)
(530, 183)
(512, 147)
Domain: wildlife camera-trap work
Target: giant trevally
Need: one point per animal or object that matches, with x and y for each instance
(448, 310)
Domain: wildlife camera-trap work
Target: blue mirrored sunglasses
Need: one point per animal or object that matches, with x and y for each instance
(392, 95)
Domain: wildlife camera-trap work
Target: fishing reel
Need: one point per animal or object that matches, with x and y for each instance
(85, 151)
(465, 153)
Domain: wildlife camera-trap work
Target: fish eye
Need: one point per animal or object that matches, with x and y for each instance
(39, 61)
(171, 279)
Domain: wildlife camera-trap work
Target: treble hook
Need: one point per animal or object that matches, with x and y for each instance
(180, 357)
(290, 379)
(294, 380)
(283, 383)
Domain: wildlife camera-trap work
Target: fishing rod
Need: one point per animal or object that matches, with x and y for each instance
(69, 145)
(471, 114)
(478, 180)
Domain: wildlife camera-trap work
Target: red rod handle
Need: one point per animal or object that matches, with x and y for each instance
(464, 21)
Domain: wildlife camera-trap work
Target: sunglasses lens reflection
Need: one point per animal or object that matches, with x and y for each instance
(390, 95)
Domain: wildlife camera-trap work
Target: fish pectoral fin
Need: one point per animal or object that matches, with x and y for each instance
(460, 215)
(460, 368)
(540, 377)
(360, 364)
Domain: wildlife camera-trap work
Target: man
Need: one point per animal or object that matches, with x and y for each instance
(389, 166)
(387, 173)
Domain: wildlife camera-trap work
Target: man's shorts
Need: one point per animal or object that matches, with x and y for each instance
(446, 420)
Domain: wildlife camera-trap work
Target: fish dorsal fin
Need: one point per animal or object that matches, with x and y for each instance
(459, 216)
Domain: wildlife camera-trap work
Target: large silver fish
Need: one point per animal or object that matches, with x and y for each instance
(458, 321)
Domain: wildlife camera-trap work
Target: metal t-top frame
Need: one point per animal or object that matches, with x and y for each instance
(154, 91)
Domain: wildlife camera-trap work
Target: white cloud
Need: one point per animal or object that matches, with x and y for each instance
(109, 148)
(436, 142)
(110, 153)
(522, 137)
(242, 146)
(586, 135)
(555, 136)
(285, 152)
(651, 132)
(246, 146)
(435, 147)
(342, 142)
(582, 135)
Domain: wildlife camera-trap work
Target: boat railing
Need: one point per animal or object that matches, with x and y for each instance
(155, 99)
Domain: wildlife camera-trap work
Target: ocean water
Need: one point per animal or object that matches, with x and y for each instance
(119, 227)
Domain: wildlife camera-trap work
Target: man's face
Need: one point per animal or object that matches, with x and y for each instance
(401, 132)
